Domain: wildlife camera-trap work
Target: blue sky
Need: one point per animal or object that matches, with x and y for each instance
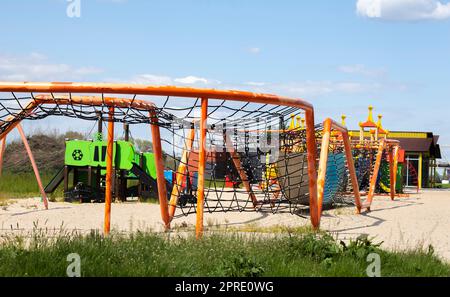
(339, 55)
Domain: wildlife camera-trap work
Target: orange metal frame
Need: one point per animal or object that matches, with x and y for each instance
(30, 156)
(205, 94)
(390, 145)
(159, 163)
(328, 125)
(109, 171)
(2, 153)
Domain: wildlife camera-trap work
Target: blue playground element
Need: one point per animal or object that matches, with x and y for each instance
(335, 174)
(168, 175)
(194, 181)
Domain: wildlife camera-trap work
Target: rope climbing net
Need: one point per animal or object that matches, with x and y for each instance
(254, 160)
(214, 150)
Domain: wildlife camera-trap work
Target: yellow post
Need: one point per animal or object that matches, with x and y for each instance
(298, 124)
(379, 125)
(292, 125)
(343, 117)
(361, 133)
(419, 174)
(370, 117)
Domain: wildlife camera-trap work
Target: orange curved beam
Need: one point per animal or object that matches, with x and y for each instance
(33, 165)
(72, 87)
(96, 101)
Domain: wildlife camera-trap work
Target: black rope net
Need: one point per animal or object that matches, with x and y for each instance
(256, 153)
(255, 160)
(364, 156)
(337, 179)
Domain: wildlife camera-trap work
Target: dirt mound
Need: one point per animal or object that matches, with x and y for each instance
(48, 151)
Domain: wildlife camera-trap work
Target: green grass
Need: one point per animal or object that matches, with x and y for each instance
(442, 186)
(24, 185)
(148, 254)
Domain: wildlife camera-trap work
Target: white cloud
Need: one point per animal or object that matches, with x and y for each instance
(151, 79)
(190, 80)
(362, 70)
(306, 89)
(254, 50)
(255, 83)
(297, 89)
(403, 10)
(36, 66)
(313, 88)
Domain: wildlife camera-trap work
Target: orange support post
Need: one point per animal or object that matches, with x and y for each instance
(391, 173)
(159, 164)
(323, 164)
(2, 153)
(109, 171)
(396, 152)
(352, 171)
(201, 169)
(180, 173)
(33, 164)
(312, 174)
(374, 177)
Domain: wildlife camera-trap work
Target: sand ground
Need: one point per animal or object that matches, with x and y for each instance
(406, 223)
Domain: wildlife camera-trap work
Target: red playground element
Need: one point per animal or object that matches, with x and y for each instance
(229, 183)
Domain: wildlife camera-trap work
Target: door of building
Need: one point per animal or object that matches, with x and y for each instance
(412, 168)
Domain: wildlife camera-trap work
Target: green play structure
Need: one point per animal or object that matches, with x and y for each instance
(84, 171)
(383, 185)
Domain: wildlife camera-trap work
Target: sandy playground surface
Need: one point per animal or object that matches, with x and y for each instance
(406, 223)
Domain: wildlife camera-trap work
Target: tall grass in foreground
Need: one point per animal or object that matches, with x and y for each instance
(147, 254)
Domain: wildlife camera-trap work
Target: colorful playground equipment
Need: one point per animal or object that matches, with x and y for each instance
(380, 153)
(86, 160)
(213, 150)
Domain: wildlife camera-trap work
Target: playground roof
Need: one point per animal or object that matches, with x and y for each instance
(421, 145)
(413, 141)
(415, 144)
